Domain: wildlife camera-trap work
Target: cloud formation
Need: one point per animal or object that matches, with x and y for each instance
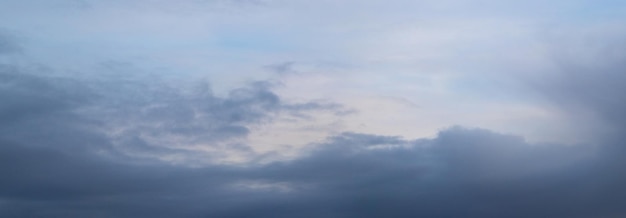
(60, 159)
(133, 117)
(144, 133)
(461, 172)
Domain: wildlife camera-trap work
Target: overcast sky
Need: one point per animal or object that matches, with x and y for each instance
(276, 108)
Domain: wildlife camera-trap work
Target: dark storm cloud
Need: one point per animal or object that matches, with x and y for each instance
(55, 183)
(58, 157)
(40, 111)
(460, 173)
(52, 167)
(52, 139)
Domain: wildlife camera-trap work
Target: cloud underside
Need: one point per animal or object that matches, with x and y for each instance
(462, 172)
(91, 148)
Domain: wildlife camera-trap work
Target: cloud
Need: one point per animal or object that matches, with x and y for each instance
(586, 80)
(119, 142)
(105, 147)
(129, 116)
(128, 146)
(461, 172)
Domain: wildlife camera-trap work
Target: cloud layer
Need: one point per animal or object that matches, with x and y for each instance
(61, 159)
(312, 109)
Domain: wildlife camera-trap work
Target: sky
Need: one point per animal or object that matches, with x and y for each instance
(276, 108)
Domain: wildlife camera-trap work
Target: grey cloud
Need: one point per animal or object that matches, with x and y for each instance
(54, 165)
(349, 175)
(461, 173)
(302, 109)
(41, 111)
(55, 183)
(590, 82)
(120, 113)
(25, 96)
(282, 68)
(59, 158)
(53, 143)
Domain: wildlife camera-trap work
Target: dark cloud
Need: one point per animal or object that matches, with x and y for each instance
(59, 159)
(54, 183)
(462, 172)
(86, 148)
(76, 147)
(128, 115)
